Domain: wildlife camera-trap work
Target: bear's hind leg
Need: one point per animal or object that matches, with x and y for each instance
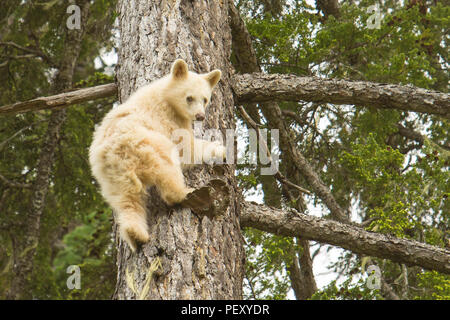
(131, 218)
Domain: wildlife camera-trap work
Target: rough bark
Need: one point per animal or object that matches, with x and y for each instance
(193, 256)
(269, 87)
(61, 100)
(25, 249)
(346, 236)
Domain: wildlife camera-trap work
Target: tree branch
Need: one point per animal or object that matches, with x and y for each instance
(410, 134)
(13, 184)
(18, 57)
(263, 145)
(5, 142)
(387, 290)
(62, 100)
(420, 139)
(346, 236)
(329, 8)
(259, 87)
(36, 51)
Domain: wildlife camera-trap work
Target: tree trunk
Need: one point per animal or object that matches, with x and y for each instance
(190, 256)
(301, 273)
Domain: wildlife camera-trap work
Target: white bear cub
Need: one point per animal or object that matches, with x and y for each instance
(132, 148)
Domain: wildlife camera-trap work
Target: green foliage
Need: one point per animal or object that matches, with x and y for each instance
(372, 164)
(399, 186)
(267, 266)
(348, 290)
(74, 210)
(434, 286)
(90, 247)
(96, 79)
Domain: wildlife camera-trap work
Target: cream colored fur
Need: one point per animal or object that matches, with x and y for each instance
(132, 148)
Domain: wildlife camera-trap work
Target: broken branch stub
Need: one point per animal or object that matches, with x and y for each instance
(211, 199)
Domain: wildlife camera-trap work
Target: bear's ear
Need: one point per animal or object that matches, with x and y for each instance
(179, 69)
(213, 77)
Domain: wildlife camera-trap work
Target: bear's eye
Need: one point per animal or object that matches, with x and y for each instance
(189, 99)
(205, 101)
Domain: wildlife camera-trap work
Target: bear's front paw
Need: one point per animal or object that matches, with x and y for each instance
(214, 151)
(220, 152)
(172, 197)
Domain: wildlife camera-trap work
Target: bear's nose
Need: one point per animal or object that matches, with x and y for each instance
(200, 116)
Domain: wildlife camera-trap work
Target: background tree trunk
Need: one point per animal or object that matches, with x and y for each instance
(190, 256)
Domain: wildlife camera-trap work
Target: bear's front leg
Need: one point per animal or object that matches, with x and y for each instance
(211, 151)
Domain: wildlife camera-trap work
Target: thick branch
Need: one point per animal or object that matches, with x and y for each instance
(18, 57)
(346, 236)
(258, 87)
(62, 100)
